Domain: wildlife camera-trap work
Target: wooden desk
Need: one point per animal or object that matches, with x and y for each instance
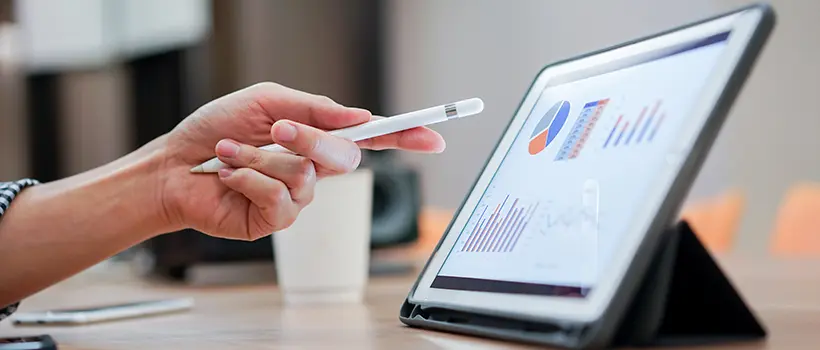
(785, 294)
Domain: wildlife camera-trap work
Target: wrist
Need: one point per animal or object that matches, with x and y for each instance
(133, 188)
(135, 195)
(150, 169)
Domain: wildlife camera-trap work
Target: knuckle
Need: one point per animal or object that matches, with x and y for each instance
(355, 159)
(266, 86)
(306, 171)
(314, 143)
(289, 219)
(279, 196)
(325, 100)
(307, 198)
(240, 178)
(284, 219)
(255, 159)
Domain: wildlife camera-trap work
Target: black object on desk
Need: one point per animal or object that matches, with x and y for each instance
(40, 342)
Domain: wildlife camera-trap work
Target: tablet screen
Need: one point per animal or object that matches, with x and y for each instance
(556, 210)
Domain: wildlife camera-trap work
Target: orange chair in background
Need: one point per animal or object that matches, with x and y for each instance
(716, 220)
(797, 226)
(432, 223)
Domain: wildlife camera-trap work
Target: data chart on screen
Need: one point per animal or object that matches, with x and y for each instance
(555, 210)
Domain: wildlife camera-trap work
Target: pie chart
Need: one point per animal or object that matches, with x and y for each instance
(548, 127)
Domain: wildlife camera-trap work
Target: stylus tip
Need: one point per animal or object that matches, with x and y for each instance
(469, 107)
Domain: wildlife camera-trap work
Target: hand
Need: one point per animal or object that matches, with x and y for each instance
(263, 192)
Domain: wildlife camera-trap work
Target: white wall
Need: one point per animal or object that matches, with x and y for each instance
(87, 34)
(442, 50)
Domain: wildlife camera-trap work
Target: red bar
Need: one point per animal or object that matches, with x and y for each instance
(517, 229)
(510, 230)
(655, 109)
(657, 126)
(503, 234)
(490, 222)
(496, 223)
(522, 228)
(640, 117)
(484, 224)
(475, 229)
(503, 227)
(487, 223)
(482, 247)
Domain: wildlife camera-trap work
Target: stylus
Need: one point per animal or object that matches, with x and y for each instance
(380, 127)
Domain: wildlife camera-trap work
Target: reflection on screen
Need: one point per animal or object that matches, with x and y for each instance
(553, 215)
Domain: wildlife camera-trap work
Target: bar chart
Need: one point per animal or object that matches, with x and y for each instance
(500, 228)
(641, 129)
(579, 134)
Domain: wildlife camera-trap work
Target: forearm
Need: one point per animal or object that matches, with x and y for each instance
(125, 161)
(54, 230)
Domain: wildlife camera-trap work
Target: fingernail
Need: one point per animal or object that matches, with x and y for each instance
(223, 173)
(227, 148)
(442, 147)
(360, 110)
(284, 132)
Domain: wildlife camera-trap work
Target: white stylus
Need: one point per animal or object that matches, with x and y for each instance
(380, 127)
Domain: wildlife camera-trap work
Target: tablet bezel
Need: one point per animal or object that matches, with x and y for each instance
(742, 25)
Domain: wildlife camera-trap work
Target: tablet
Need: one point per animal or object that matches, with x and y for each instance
(592, 168)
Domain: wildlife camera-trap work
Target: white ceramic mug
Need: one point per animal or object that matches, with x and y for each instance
(325, 255)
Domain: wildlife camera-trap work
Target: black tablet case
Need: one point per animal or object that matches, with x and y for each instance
(673, 294)
(683, 299)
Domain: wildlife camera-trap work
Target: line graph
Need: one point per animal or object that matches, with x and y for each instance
(570, 218)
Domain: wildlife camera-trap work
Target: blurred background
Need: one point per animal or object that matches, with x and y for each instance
(86, 81)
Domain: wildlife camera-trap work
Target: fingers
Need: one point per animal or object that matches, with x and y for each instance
(270, 196)
(419, 139)
(281, 102)
(297, 173)
(333, 154)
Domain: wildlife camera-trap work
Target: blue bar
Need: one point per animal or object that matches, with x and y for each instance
(591, 104)
(612, 132)
(655, 129)
(645, 128)
(483, 240)
(621, 134)
(631, 133)
(476, 229)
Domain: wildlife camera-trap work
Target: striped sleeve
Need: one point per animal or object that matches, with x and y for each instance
(9, 190)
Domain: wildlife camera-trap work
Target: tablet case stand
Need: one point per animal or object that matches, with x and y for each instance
(683, 299)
